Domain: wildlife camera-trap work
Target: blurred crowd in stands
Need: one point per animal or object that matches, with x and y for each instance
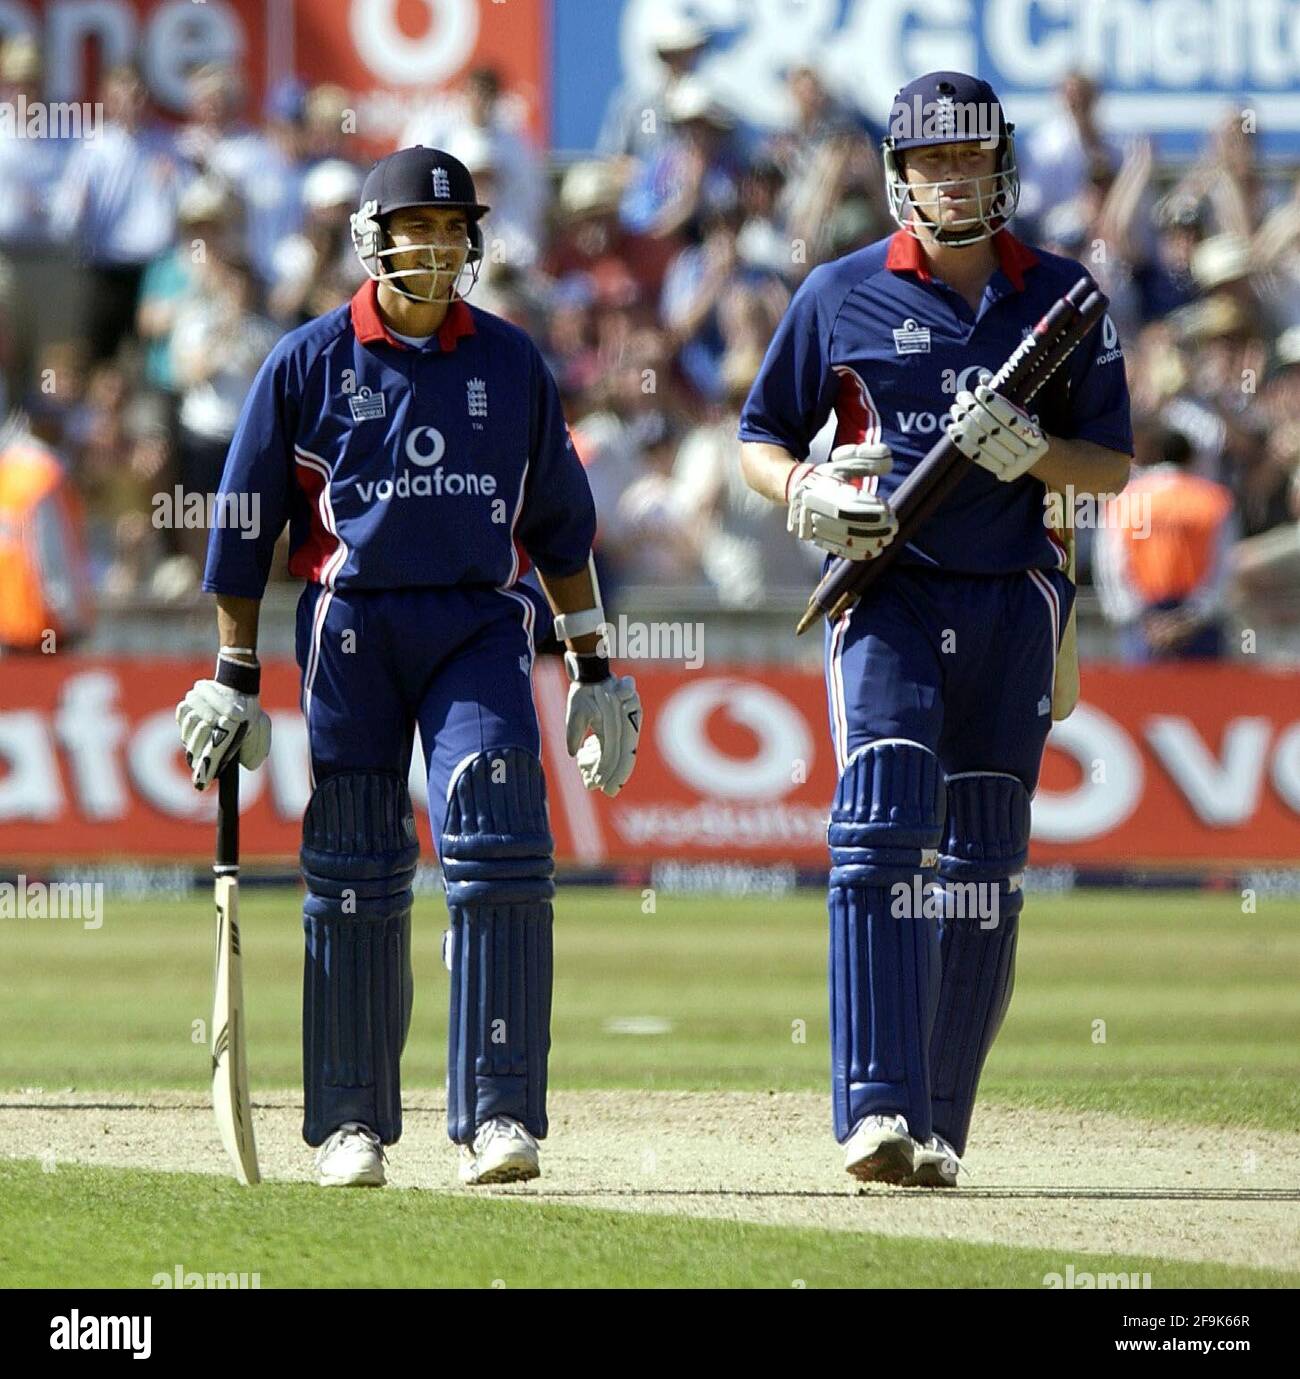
(144, 275)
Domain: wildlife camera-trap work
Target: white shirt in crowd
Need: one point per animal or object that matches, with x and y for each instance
(210, 409)
(118, 196)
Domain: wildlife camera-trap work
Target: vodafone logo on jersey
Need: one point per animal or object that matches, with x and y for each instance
(425, 448)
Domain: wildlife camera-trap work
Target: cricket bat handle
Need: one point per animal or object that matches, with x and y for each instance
(227, 857)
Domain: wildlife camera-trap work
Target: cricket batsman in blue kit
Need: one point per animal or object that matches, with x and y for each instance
(940, 680)
(416, 448)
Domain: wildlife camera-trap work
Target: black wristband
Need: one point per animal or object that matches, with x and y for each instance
(239, 675)
(587, 668)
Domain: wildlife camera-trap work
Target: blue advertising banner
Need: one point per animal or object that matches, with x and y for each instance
(1169, 69)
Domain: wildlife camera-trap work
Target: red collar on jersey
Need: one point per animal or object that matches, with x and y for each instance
(369, 325)
(907, 256)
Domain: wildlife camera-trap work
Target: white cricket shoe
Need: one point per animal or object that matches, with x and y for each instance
(880, 1150)
(503, 1152)
(936, 1165)
(353, 1156)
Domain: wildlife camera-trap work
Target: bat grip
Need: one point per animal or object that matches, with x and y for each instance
(228, 818)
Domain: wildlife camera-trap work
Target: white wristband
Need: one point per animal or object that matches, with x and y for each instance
(571, 625)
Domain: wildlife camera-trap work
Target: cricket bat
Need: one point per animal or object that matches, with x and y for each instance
(231, 1100)
(1060, 331)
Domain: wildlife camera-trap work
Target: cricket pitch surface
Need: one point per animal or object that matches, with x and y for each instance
(1065, 1180)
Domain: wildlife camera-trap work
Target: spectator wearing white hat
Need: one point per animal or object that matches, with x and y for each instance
(592, 252)
(697, 168)
(636, 118)
(208, 215)
(316, 269)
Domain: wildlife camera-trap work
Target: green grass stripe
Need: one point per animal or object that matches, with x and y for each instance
(95, 1227)
(1169, 1006)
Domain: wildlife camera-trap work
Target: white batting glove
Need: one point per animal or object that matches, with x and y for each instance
(213, 716)
(995, 433)
(826, 508)
(610, 711)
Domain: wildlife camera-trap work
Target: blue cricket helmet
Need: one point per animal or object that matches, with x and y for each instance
(950, 108)
(415, 176)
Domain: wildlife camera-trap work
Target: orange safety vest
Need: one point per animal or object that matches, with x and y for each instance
(1176, 555)
(44, 585)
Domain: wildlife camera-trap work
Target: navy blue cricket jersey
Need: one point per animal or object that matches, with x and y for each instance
(876, 339)
(402, 468)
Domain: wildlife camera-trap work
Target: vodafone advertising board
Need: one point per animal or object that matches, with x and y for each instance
(388, 55)
(1168, 69)
(1176, 765)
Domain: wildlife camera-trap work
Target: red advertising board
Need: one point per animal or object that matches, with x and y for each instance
(1172, 765)
(388, 55)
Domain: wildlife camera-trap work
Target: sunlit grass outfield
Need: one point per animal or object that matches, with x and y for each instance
(128, 1227)
(1199, 1003)
(1201, 1023)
